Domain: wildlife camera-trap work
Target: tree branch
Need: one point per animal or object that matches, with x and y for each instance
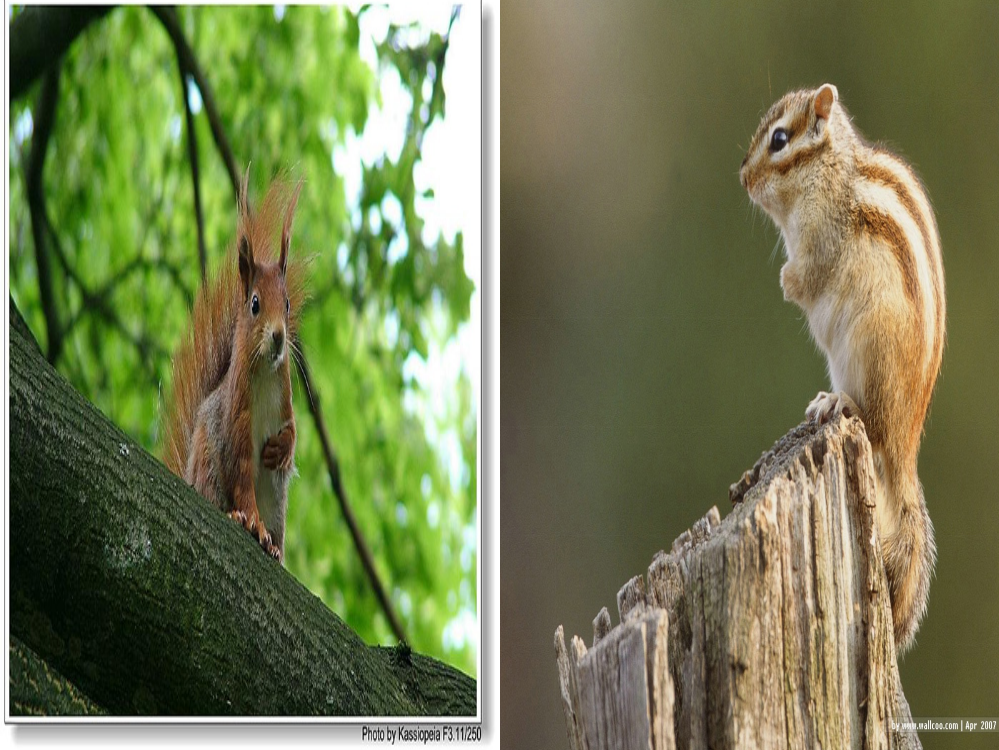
(38, 38)
(150, 601)
(98, 304)
(192, 153)
(38, 690)
(333, 467)
(44, 120)
(187, 60)
(139, 263)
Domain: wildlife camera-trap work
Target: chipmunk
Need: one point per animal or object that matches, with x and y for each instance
(864, 264)
(230, 427)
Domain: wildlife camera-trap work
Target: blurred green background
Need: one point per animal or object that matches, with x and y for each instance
(648, 357)
(387, 332)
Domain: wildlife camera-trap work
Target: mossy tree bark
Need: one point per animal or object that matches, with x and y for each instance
(130, 586)
(36, 689)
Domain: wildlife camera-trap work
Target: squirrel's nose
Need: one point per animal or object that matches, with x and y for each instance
(278, 337)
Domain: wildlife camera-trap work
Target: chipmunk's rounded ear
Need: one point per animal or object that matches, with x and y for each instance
(824, 99)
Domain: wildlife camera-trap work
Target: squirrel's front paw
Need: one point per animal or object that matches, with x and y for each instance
(274, 551)
(249, 521)
(279, 450)
(241, 518)
(255, 525)
(826, 405)
(269, 547)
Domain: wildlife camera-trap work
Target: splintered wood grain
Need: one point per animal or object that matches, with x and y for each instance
(569, 695)
(619, 695)
(601, 625)
(777, 623)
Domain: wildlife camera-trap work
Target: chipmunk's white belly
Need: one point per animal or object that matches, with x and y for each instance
(267, 421)
(834, 327)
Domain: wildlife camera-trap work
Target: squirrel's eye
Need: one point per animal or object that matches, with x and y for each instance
(287, 307)
(255, 304)
(778, 140)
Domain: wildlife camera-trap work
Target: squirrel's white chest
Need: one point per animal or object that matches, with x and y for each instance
(266, 420)
(265, 409)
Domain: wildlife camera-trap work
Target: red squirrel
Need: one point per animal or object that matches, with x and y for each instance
(230, 428)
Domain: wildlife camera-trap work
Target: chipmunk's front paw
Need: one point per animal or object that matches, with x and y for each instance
(826, 405)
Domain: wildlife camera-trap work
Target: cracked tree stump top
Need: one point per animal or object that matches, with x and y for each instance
(770, 629)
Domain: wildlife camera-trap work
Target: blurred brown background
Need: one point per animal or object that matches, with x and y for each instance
(647, 354)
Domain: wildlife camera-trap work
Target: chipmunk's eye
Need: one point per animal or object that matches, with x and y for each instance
(255, 304)
(778, 140)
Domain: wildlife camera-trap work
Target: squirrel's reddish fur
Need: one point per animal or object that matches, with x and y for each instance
(229, 427)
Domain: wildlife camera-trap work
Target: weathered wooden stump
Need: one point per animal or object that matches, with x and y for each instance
(770, 629)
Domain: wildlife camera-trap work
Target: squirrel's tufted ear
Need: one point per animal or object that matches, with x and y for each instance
(247, 269)
(824, 99)
(243, 200)
(286, 229)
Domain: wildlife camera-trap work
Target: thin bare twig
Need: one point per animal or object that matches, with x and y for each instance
(99, 305)
(140, 263)
(333, 465)
(98, 300)
(168, 17)
(46, 239)
(44, 119)
(192, 154)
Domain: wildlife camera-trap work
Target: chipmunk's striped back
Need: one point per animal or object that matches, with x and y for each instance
(864, 263)
(887, 187)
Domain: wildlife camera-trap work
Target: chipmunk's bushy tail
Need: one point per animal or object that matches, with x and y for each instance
(909, 554)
